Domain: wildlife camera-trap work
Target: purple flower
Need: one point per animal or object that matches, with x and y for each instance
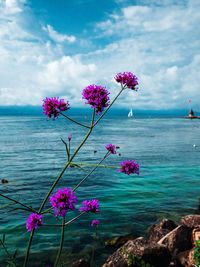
(33, 221)
(69, 137)
(128, 79)
(52, 106)
(129, 166)
(96, 96)
(90, 206)
(62, 201)
(111, 148)
(95, 222)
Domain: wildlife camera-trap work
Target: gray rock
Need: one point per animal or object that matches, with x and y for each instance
(118, 241)
(157, 231)
(185, 259)
(178, 240)
(151, 253)
(191, 221)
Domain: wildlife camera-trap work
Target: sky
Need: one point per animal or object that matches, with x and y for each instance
(56, 48)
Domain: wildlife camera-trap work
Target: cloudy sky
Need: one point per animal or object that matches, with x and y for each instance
(56, 48)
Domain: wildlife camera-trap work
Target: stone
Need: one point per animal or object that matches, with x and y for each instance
(118, 241)
(157, 231)
(185, 259)
(195, 236)
(4, 181)
(139, 249)
(191, 221)
(81, 263)
(178, 240)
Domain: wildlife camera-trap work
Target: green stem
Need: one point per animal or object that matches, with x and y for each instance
(68, 222)
(69, 149)
(28, 248)
(93, 165)
(104, 113)
(66, 147)
(5, 249)
(17, 202)
(77, 186)
(61, 243)
(67, 165)
(83, 125)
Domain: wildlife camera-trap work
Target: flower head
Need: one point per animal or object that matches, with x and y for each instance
(128, 79)
(111, 148)
(52, 106)
(96, 96)
(33, 221)
(95, 222)
(90, 206)
(69, 137)
(62, 201)
(129, 166)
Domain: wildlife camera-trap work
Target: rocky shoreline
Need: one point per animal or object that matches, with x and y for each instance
(167, 245)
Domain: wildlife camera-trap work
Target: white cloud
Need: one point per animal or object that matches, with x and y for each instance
(32, 67)
(57, 37)
(160, 43)
(12, 6)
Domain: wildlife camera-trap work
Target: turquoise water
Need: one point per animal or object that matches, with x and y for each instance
(32, 155)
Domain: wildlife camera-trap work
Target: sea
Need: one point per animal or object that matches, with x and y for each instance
(166, 146)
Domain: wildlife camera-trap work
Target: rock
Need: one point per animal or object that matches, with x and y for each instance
(139, 250)
(195, 236)
(191, 221)
(185, 259)
(178, 239)
(157, 231)
(4, 181)
(118, 241)
(80, 263)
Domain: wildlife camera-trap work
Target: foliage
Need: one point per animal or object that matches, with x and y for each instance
(197, 253)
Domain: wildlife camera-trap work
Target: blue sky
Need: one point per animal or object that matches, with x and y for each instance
(56, 48)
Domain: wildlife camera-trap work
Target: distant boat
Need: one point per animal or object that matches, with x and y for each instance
(191, 115)
(130, 114)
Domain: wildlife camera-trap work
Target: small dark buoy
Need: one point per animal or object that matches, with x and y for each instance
(119, 154)
(4, 181)
(117, 147)
(95, 151)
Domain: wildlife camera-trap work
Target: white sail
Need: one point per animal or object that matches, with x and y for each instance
(130, 114)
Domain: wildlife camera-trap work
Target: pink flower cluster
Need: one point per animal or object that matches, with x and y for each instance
(129, 166)
(62, 201)
(95, 223)
(33, 221)
(96, 96)
(90, 206)
(111, 148)
(52, 106)
(127, 79)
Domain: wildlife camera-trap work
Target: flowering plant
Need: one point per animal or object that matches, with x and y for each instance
(64, 200)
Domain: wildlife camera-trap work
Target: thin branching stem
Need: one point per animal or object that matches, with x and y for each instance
(66, 166)
(79, 184)
(93, 165)
(61, 242)
(5, 249)
(17, 202)
(28, 248)
(106, 110)
(67, 223)
(79, 123)
(67, 149)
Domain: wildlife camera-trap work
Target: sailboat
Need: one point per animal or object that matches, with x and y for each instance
(130, 114)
